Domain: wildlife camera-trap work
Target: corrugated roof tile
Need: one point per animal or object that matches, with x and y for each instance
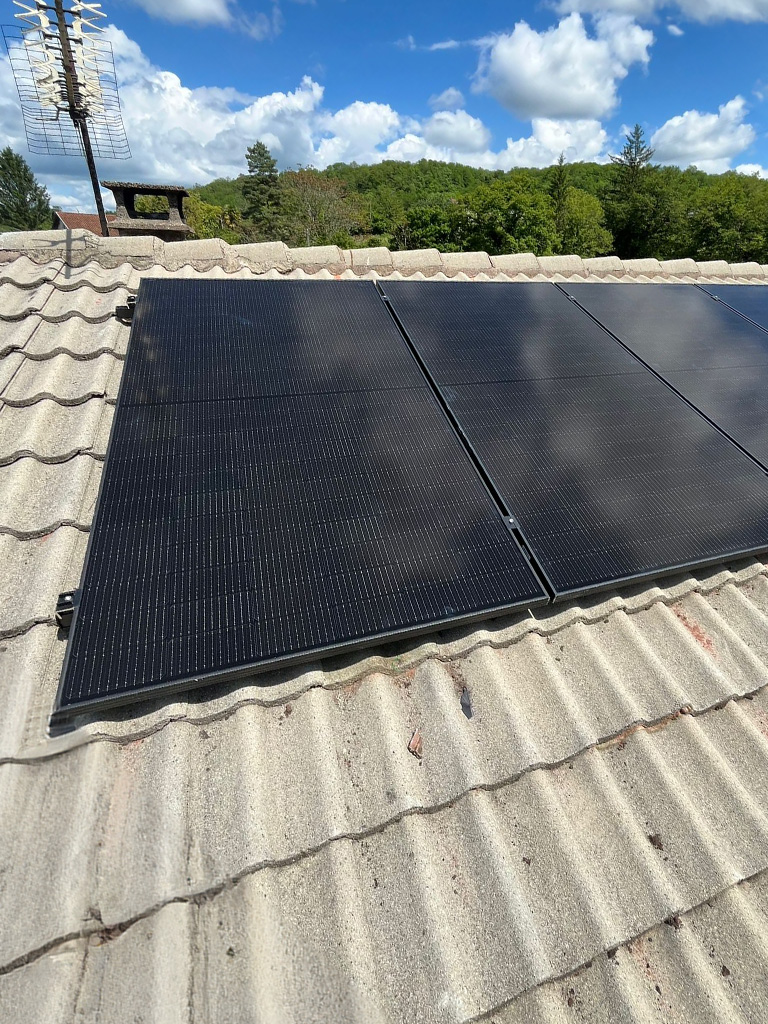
(66, 379)
(52, 432)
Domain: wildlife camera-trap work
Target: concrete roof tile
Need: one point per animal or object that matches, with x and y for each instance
(517, 263)
(682, 268)
(52, 432)
(408, 260)
(518, 884)
(366, 259)
(748, 270)
(66, 379)
(461, 261)
(36, 498)
(75, 336)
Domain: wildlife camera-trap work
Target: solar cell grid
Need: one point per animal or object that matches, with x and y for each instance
(237, 532)
(713, 357)
(610, 475)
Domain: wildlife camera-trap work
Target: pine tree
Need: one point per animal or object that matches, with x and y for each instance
(24, 204)
(262, 189)
(559, 188)
(632, 200)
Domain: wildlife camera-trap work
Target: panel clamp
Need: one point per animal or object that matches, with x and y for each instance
(125, 313)
(65, 609)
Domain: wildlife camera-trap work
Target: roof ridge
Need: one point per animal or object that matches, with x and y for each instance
(79, 247)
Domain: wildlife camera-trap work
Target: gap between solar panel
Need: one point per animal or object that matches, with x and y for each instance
(281, 484)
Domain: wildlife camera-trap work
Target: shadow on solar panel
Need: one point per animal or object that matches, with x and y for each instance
(281, 483)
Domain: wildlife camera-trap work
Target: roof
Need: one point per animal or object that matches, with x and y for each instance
(591, 844)
(83, 221)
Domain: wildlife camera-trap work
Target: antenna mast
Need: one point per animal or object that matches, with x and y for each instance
(66, 81)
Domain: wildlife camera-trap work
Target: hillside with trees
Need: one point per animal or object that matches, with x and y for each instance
(630, 207)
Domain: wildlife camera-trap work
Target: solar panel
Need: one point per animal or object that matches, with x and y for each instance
(280, 483)
(712, 356)
(751, 300)
(609, 474)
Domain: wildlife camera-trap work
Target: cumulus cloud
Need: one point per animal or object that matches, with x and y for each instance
(675, 30)
(355, 133)
(457, 131)
(187, 136)
(576, 140)
(710, 141)
(448, 99)
(696, 10)
(752, 170)
(562, 72)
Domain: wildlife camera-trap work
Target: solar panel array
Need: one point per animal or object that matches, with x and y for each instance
(609, 474)
(711, 355)
(301, 468)
(280, 482)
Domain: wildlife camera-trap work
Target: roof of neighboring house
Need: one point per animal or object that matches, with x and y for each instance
(83, 221)
(591, 845)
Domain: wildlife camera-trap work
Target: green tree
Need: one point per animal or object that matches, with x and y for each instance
(584, 232)
(509, 215)
(632, 198)
(210, 221)
(559, 188)
(316, 209)
(730, 221)
(24, 204)
(261, 190)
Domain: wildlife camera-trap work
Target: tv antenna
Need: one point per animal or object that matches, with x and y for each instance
(66, 80)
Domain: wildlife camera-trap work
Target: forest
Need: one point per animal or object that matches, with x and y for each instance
(630, 207)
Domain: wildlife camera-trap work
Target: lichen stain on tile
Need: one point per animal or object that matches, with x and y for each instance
(696, 631)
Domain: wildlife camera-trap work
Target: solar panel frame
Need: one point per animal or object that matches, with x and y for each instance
(468, 375)
(64, 712)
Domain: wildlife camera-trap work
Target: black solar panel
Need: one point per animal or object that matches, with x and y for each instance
(751, 300)
(304, 492)
(610, 475)
(715, 358)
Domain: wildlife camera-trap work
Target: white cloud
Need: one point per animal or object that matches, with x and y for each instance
(562, 72)
(446, 44)
(457, 131)
(675, 30)
(577, 140)
(752, 169)
(710, 141)
(448, 99)
(216, 12)
(356, 132)
(696, 10)
(201, 12)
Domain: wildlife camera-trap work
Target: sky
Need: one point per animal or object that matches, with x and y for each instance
(486, 83)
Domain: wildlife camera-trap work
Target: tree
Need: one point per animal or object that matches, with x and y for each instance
(509, 215)
(24, 204)
(559, 187)
(316, 209)
(261, 189)
(632, 197)
(584, 232)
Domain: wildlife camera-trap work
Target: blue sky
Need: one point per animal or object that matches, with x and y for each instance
(485, 83)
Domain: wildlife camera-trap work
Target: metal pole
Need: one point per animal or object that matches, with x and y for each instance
(76, 111)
